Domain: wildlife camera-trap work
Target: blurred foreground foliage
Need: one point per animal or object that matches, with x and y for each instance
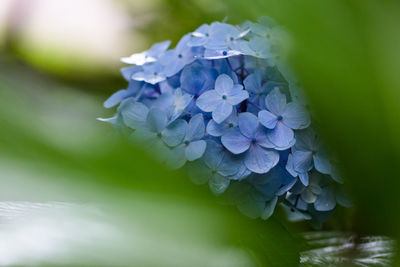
(50, 136)
(347, 56)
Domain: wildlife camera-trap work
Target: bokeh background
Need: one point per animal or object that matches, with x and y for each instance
(59, 60)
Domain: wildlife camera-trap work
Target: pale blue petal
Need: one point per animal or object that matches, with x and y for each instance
(281, 135)
(209, 101)
(156, 120)
(326, 201)
(269, 208)
(115, 98)
(216, 129)
(133, 113)
(222, 112)
(276, 102)
(261, 138)
(289, 166)
(218, 184)
(214, 154)
(174, 133)
(223, 84)
(321, 163)
(235, 142)
(260, 160)
(220, 53)
(304, 178)
(238, 97)
(308, 196)
(230, 164)
(252, 83)
(295, 116)
(267, 119)
(302, 161)
(195, 150)
(196, 128)
(145, 136)
(248, 124)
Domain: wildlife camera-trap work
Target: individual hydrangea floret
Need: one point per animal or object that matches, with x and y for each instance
(224, 104)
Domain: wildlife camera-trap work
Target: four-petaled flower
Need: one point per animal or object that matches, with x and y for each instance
(282, 118)
(192, 146)
(251, 138)
(221, 100)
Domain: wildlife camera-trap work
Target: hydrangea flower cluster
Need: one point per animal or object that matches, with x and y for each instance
(222, 104)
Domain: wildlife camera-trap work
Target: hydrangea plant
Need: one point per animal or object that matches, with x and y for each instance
(222, 104)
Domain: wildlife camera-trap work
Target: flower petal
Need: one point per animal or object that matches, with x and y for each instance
(196, 128)
(223, 84)
(209, 101)
(235, 142)
(195, 150)
(326, 201)
(321, 163)
(281, 135)
(133, 113)
(156, 120)
(267, 119)
(222, 112)
(276, 102)
(269, 208)
(176, 157)
(218, 184)
(238, 97)
(248, 124)
(302, 161)
(260, 160)
(295, 116)
(174, 133)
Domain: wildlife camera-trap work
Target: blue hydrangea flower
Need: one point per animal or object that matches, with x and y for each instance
(221, 100)
(219, 129)
(218, 167)
(282, 118)
(178, 57)
(251, 138)
(152, 73)
(192, 146)
(258, 147)
(306, 154)
(148, 56)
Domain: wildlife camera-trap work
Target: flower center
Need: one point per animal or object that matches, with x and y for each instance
(155, 73)
(231, 39)
(179, 55)
(224, 53)
(159, 135)
(207, 35)
(279, 118)
(186, 142)
(230, 125)
(224, 97)
(253, 140)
